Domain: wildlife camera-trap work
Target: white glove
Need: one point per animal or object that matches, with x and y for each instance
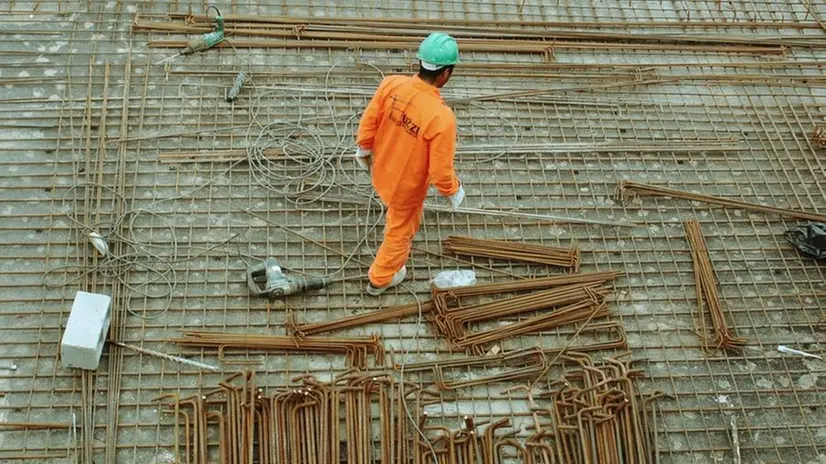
(363, 158)
(457, 198)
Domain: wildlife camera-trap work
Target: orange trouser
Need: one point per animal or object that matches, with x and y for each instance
(401, 225)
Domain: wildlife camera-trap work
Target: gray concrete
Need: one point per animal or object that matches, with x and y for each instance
(121, 137)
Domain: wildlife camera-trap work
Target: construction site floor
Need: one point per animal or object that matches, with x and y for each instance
(94, 136)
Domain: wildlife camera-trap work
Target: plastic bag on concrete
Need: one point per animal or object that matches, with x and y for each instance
(454, 278)
(809, 239)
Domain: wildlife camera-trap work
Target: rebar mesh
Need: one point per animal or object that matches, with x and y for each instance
(84, 106)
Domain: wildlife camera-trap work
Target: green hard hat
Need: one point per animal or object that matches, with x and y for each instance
(438, 49)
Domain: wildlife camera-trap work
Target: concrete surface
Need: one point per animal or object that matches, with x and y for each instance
(65, 121)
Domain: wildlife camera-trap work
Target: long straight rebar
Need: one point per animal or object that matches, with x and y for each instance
(627, 189)
(378, 31)
(372, 317)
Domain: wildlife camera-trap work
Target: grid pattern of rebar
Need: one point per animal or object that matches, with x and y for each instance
(89, 124)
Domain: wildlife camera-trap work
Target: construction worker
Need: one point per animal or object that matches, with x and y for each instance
(407, 139)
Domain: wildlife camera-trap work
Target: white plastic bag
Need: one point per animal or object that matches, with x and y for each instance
(454, 278)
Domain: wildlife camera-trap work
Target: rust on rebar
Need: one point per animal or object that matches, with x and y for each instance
(481, 36)
(372, 317)
(514, 251)
(628, 189)
(310, 422)
(572, 299)
(355, 348)
(708, 299)
(593, 414)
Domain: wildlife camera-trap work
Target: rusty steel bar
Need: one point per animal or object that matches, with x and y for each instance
(628, 189)
(707, 293)
(356, 348)
(515, 251)
(373, 317)
(299, 423)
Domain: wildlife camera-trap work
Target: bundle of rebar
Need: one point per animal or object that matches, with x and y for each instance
(311, 423)
(356, 349)
(399, 312)
(584, 311)
(514, 251)
(708, 298)
(575, 298)
(378, 33)
(453, 323)
(627, 190)
(594, 415)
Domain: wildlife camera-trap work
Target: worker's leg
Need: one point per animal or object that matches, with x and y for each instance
(401, 225)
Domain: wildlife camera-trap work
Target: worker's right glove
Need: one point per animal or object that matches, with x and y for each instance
(363, 158)
(457, 198)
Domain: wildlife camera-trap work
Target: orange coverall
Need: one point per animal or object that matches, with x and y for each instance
(412, 134)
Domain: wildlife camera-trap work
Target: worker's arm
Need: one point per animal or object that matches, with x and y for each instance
(369, 123)
(441, 151)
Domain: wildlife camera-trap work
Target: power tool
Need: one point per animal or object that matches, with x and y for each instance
(268, 279)
(205, 41)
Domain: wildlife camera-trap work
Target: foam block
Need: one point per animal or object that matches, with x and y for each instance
(86, 331)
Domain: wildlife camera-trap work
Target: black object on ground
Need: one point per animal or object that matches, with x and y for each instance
(809, 239)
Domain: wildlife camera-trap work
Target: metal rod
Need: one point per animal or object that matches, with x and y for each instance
(169, 357)
(527, 216)
(628, 189)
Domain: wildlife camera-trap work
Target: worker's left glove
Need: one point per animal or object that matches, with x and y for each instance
(457, 198)
(363, 158)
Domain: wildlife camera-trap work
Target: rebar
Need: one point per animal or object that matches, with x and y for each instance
(708, 298)
(570, 314)
(298, 423)
(452, 323)
(11, 425)
(596, 416)
(407, 32)
(523, 285)
(522, 24)
(356, 349)
(619, 342)
(628, 189)
(515, 251)
(578, 298)
(738, 127)
(372, 317)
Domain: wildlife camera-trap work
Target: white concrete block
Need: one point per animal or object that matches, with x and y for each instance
(86, 331)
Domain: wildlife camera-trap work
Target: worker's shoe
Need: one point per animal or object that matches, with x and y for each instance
(397, 279)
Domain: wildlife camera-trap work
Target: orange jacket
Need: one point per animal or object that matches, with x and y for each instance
(413, 137)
